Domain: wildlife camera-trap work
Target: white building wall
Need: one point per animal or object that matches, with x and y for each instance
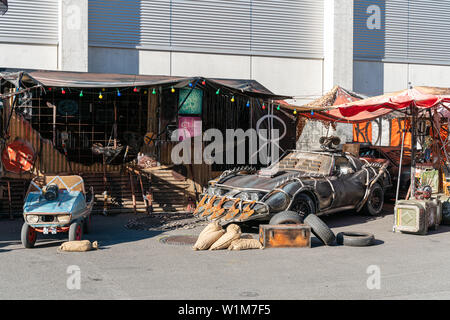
(28, 56)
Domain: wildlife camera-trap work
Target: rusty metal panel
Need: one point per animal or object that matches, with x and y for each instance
(285, 236)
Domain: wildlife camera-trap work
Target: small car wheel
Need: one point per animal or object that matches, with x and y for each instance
(303, 205)
(28, 236)
(75, 231)
(375, 201)
(87, 224)
(286, 217)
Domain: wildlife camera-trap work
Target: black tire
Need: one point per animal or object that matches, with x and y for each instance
(28, 236)
(355, 239)
(375, 201)
(320, 229)
(75, 231)
(303, 205)
(286, 217)
(87, 224)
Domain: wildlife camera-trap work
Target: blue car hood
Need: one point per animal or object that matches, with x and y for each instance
(67, 202)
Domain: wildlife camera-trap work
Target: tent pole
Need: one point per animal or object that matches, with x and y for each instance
(413, 149)
(400, 166)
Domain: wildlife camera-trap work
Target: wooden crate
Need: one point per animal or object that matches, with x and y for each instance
(285, 236)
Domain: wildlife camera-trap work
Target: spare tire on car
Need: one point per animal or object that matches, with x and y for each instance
(355, 239)
(286, 217)
(320, 229)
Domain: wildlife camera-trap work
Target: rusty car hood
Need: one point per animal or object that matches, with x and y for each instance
(260, 182)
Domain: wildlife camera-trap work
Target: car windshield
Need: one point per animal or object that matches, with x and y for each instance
(308, 162)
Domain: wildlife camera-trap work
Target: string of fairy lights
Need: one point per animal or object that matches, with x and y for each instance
(136, 89)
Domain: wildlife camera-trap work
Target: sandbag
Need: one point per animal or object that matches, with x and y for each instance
(213, 226)
(78, 246)
(205, 240)
(233, 233)
(244, 244)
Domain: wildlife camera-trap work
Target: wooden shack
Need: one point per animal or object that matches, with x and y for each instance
(115, 130)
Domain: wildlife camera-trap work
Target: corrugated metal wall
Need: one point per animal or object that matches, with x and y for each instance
(29, 21)
(264, 27)
(411, 31)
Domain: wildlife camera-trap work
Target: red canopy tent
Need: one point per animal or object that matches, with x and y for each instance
(411, 101)
(378, 106)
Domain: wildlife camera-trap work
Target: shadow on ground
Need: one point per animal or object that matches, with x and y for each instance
(108, 231)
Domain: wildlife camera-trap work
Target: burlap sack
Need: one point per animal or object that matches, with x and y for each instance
(205, 240)
(244, 244)
(213, 226)
(78, 246)
(233, 233)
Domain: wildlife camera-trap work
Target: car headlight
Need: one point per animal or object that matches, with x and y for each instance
(64, 218)
(32, 218)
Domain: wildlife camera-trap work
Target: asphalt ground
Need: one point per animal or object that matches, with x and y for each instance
(135, 264)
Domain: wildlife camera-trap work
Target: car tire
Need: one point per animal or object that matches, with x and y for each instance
(375, 201)
(87, 224)
(28, 236)
(286, 217)
(303, 205)
(320, 229)
(355, 239)
(76, 231)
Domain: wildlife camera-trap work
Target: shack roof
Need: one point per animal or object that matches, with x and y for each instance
(65, 79)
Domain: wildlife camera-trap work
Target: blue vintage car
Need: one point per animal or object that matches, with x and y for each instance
(56, 204)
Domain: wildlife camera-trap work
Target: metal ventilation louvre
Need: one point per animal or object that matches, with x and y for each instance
(413, 31)
(114, 23)
(288, 27)
(429, 26)
(30, 21)
(261, 27)
(211, 24)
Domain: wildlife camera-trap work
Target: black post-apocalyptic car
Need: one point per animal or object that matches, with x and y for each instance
(304, 182)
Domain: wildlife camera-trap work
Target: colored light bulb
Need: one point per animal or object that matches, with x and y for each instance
(278, 107)
(218, 91)
(100, 96)
(103, 89)
(190, 84)
(232, 99)
(118, 93)
(203, 82)
(63, 91)
(154, 91)
(263, 106)
(312, 112)
(295, 111)
(248, 104)
(172, 89)
(81, 93)
(135, 89)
